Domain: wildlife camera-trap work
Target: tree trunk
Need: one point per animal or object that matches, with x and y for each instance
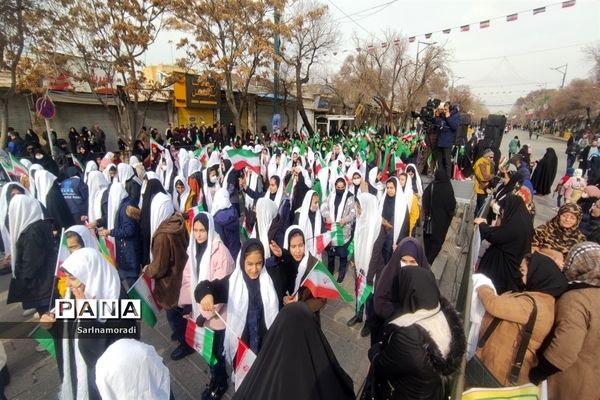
(300, 103)
(3, 121)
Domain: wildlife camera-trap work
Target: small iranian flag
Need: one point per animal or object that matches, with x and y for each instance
(201, 340)
(63, 253)
(106, 247)
(244, 358)
(153, 142)
(321, 284)
(244, 235)
(335, 237)
(191, 214)
(363, 290)
(78, 164)
(18, 168)
(198, 143)
(201, 154)
(142, 290)
(241, 158)
(319, 164)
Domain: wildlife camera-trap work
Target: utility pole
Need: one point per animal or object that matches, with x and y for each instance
(564, 73)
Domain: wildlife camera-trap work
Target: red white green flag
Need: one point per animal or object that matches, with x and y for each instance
(142, 290)
(319, 165)
(18, 168)
(198, 144)
(78, 164)
(321, 284)
(45, 339)
(244, 235)
(363, 290)
(201, 340)
(106, 247)
(241, 158)
(63, 253)
(191, 213)
(244, 358)
(335, 237)
(201, 154)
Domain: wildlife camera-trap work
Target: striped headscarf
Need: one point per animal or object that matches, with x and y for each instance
(583, 263)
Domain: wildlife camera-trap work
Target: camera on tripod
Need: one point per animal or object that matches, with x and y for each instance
(428, 114)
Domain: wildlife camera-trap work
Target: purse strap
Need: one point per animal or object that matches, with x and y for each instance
(520, 356)
(488, 332)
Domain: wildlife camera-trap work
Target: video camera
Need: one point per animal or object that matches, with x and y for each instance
(428, 114)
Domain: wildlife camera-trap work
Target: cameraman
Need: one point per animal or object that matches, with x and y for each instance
(448, 119)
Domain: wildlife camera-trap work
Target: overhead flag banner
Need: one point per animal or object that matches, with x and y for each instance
(411, 39)
(397, 42)
(427, 35)
(569, 3)
(539, 10)
(446, 31)
(512, 17)
(484, 24)
(464, 28)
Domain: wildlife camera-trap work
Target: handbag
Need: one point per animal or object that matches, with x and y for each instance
(427, 224)
(477, 374)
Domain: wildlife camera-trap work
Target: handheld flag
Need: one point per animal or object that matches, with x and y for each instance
(45, 339)
(321, 284)
(78, 164)
(142, 290)
(244, 358)
(363, 290)
(201, 340)
(107, 249)
(241, 158)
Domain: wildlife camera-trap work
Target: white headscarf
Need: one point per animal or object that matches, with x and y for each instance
(165, 176)
(116, 194)
(306, 225)
(84, 233)
(340, 212)
(32, 171)
(101, 280)
(184, 159)
(237, 305)
(134, 161)
(200, 272)
(408, 192)
(368, 226)
(206, 189)
(22, 212)
(252, 184)
(89, 167)
(180, 205)
(400, 207)
(124, 172)
(107, 170)
(221, 201)
(161, 208)
(43, 182)
(418, 178)
(273, 169)
(193, 166)
(304, 262)
(379, 186)
(4, 201)
(349, 175)
(115, 376)
(26, 163)
(97, 184)
(266, 211)
(278, 194)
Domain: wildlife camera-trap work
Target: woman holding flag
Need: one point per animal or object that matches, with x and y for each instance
(339, 210)
(208, 259)
(251, 297)
(309, 218)
(369, 237)
(294, 263)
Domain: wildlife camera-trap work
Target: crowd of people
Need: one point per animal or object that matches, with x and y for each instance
(229, 245)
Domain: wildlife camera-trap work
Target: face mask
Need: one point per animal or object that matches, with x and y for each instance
(39, 156)
(340, 192)
(213, 179)
(356, 182)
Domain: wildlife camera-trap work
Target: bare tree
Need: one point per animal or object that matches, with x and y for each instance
(309, 33)
(231, 39)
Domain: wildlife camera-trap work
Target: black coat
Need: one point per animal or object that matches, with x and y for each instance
(408, 364)
(57, 208)
(34, 265)
(441, 204)
(545, 172)
(128, 244)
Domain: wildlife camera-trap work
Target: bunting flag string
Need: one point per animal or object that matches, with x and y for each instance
(371, 48)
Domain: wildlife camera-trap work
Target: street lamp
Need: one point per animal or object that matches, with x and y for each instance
(417, 62)
(171, 45)
(454, 79)
(564, 73)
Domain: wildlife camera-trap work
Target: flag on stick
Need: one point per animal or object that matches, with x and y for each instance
(241, 158)
(45, 339)
(363, 290)
(106, 247)
(201, 340)
(78, 163)
(321, 284)
(153, 142)
(142, 290)
(244, 358)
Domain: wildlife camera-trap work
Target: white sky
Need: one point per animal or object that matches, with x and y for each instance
(499, 63)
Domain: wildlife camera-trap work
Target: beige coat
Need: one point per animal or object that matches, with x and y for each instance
(500, 349)
(575, 345)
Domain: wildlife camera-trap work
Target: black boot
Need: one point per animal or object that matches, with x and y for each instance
(365, 331)
(354, 320)
(181, 352)
(214, 392)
